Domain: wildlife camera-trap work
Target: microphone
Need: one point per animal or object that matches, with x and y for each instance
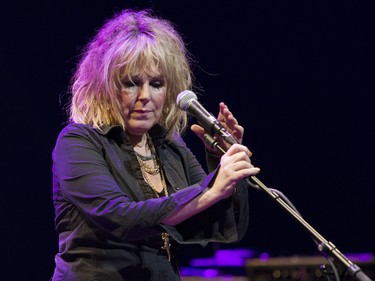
(188, 101)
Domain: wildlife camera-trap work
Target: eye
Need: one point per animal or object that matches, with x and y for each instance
(131, 82)
(157, 83)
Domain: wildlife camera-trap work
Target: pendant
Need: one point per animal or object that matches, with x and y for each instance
(166, 245)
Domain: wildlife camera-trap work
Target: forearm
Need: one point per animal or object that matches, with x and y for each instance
(193, 207)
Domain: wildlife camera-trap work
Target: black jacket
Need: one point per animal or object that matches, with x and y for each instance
(109, 227)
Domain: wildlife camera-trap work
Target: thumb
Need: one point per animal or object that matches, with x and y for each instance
(198, 130)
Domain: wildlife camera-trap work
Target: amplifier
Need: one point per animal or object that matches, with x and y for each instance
(301, 268)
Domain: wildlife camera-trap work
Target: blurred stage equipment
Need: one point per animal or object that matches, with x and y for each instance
(302, 268)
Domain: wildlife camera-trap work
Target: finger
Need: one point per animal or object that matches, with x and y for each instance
(237, 148)
(231, 123)
(242, 169)
(249, 172)
(238, 131)
(198, 130)
(235, 170)
(227, 117)
(222, 109)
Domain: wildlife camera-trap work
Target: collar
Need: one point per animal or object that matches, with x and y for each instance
(105, 129)
(156, 132)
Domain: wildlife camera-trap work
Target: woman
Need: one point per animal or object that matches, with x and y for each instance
(127, 190)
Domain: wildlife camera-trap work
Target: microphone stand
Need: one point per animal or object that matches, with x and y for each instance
(327, 248)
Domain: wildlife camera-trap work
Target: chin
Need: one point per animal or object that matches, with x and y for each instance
(139, 127)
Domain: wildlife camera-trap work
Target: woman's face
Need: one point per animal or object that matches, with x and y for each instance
(142, 99)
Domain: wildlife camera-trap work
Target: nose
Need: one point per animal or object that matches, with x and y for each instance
(144, 93)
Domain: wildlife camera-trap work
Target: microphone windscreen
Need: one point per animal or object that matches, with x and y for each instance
(184, 98)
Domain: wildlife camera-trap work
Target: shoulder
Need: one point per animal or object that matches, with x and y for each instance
(75, 132)
(87, 130)
(75, 128)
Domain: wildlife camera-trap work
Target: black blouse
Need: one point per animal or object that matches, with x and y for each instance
(108, 224)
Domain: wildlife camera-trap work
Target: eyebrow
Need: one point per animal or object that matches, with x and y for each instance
(137, 76)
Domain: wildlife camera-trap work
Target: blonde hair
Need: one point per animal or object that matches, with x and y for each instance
(131, 42)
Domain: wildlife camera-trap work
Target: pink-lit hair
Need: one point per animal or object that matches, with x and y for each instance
(129, 43)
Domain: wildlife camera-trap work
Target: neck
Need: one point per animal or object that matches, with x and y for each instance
(138, 141)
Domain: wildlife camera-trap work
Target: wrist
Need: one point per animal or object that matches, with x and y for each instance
(212, 196)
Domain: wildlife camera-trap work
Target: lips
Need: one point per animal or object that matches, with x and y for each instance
(142, 111)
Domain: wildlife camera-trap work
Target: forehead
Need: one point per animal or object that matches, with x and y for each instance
(144, 72)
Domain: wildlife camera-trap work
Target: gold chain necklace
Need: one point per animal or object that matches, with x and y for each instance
(147, 169)
(164, 184)
(142, 159)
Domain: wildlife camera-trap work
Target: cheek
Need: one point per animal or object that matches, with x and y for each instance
(126, 102)
(159, 103)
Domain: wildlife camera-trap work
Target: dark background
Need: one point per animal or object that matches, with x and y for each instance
(298, 76)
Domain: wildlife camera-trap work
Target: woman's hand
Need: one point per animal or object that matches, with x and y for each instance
(226, 118)
(234, 165)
